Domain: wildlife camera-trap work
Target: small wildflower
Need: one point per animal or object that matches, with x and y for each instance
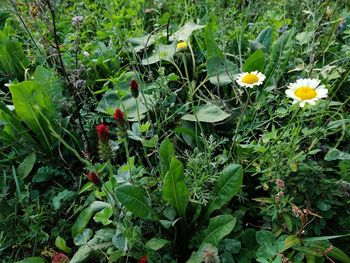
(142, 260)
(297, 211)
(250, 79)
(77, 20)
(280, 183)
(181, 46)
(102, 132)
(119, 118)
(60, 258)
(134, 88)
(279, 196)
(306, 91)
(93, 177)
(86, 54)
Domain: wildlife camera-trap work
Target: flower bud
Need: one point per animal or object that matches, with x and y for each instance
(102, 132)
(93, 177)
(134, 88)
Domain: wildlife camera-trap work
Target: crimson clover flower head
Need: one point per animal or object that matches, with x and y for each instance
(134, 88)
(142, 260)
(102, 132)
(93, 177)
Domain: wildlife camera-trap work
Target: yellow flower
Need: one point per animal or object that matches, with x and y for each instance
(181, 46)
(250, 79)
(306, 91)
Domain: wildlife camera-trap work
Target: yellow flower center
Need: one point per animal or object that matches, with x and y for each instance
(250, 78)
(305, 93)
(181, 45)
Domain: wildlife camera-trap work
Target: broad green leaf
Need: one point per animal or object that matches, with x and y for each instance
(175, 191)
(281, 52)
(101, 241)
(255, 61)
(84, 237)
(104, 215)
(166, 152)
(212, 48)
(60, 243)
(32, 260)
(207, 113)
(156, 243)
(265, 238)
(26, 166)
(134, 199)
(82, 221)
(62, 197)
(265, 38)
(219, 227)
(334, 154)
(159, 53)
(228, 185)
(220, 71)
(184, 33)
(111, 100)
(120, 241)
(140, 43)
(231, 245)
(13, 61)
(339, 255)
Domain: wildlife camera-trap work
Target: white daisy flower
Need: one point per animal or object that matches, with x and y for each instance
(250, 79)
(306, 91)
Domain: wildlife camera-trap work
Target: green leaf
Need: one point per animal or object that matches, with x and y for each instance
(207, 113)
(220, 71)
(175, 191)
(212, 48)
(290, 241)
(82, 221)
(313, 239)
(32, 260)
(140, 43)
(120, 241)
(255, 61)
(339, 255)
(134, 199)
(26, 166)
(265, 38)
(231, 245)
(184, 33)
(166, 152)
(159, 53)
(60, 243)
(281, 52)
(219, 227)
(104, 215)
(84, 237)
(265, 238)
(288, 221)
(334, 154)
(228, 185)
(156, 243)
(13, 61)
(101, 241)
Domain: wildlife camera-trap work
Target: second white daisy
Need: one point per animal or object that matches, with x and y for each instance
(250, 79)
(306, 91)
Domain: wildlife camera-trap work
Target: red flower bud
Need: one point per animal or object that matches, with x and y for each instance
(134, 88)
(142, 260)
(93, 177)
(102, 132)
(119, 118)
(60, 258)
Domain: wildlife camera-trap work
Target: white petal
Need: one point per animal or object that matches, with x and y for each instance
(302, 104)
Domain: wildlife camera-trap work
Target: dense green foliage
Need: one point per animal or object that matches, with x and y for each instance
(126, 134)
